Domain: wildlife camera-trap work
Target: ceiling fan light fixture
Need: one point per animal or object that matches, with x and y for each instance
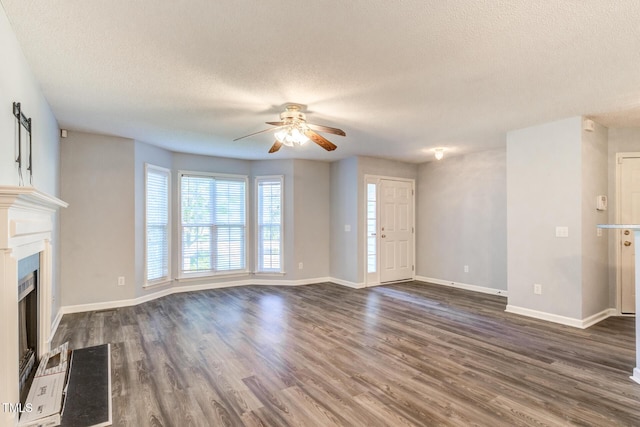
(439, 153)
(291, 135)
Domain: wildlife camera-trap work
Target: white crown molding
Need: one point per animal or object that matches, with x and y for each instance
(465, 286)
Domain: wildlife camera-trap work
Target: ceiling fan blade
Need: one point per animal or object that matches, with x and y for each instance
(260, 131)
(320, 140)
(327, 129)
(276, 123)
(275, 147)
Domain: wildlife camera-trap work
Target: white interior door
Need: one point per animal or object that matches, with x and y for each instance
(396, 230)
(629, 214)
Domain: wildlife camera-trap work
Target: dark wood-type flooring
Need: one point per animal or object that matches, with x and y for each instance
(326, 355)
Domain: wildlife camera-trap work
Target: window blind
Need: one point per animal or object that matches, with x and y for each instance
(213, 223)
(157, 223)
(269, 225)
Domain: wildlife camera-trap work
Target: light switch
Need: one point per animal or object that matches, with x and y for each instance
(562, 231)
(347, 227)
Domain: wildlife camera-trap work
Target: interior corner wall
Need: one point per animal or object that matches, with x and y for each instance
(544, 190)
(595, 280)
(18, 84)
(462, 219)
(344, 220)
(98, 227)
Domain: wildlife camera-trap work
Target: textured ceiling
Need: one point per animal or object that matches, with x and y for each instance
(400, 77)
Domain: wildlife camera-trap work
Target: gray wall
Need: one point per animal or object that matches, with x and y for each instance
(544, 174)
(98, 227)
(344, 211)
(104, 231)
(17, 84)
(595, 281)
(312, 218)
(462, 219)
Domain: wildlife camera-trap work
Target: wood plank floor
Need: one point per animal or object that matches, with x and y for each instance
(326, 355)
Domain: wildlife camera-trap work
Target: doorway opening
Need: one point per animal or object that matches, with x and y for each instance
(627, 212)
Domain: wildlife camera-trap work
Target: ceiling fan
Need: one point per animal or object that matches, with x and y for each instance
(293, 129)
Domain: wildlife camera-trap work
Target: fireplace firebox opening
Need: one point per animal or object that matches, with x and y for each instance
(28, 269)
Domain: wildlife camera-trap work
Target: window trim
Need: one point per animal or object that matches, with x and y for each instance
(165, 279)
(183, 275)
(257, 268)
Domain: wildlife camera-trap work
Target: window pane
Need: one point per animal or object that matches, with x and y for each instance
(230, 201)
(157, 223)
(213, 212)
(230, 248)
(269, 237)
(371, 229)
(196, 249)
(196, 196)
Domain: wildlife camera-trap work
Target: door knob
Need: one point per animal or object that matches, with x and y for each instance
(627, 243)
(383, 236)
(626, 232)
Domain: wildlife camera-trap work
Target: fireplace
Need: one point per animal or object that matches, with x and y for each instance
(27, 321)
(27, 218)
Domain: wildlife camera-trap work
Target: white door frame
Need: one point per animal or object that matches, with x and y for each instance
(373, 279)
(618, 232)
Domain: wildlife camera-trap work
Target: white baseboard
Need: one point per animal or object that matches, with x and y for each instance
(636, 375)
(563, 320)
(598, 317)
(151, 295)
(55, 324)
(341, 282)
(465, 286)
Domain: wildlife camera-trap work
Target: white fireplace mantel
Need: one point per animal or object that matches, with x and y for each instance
(26, 226)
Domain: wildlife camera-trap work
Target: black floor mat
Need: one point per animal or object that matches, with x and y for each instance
(88, 400)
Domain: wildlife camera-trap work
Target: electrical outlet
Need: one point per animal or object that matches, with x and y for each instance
(466, 268)
(121, 281)
(300, 266)
(599, 232)
(537, 289)
(347, 227)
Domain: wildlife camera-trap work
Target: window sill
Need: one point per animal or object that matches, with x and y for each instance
(269, 273)
(157, 284)
(203, 276)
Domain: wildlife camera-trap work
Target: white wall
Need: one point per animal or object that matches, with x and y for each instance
(544, 190)
(17, 84)
(462, 219)
(98, 227)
